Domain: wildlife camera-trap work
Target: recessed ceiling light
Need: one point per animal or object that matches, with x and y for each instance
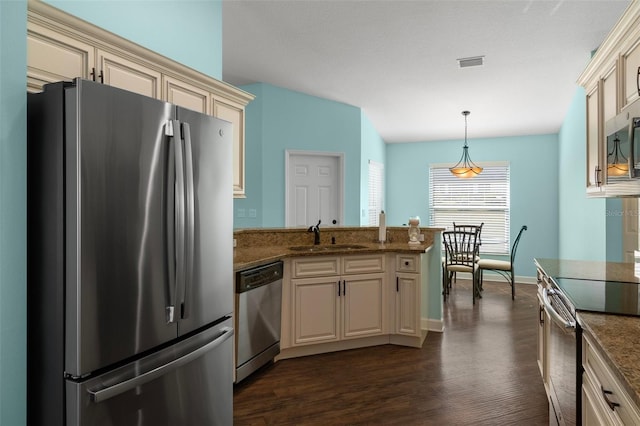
(474, 61)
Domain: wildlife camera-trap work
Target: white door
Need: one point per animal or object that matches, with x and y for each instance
(630, 207)
(314, 189)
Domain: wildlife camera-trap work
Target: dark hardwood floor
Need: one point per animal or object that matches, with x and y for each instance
(481, 371)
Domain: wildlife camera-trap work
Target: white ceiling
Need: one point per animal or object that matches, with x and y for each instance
(397, 59)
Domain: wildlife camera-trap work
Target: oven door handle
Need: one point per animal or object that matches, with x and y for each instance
(555, 316)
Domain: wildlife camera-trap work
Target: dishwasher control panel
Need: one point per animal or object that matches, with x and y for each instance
(255, 277)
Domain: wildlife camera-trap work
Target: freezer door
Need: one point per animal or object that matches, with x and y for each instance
(190, 383)
(118, 250)
(205, 292)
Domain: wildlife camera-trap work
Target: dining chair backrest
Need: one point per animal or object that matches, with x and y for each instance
(515, 244)
(460, 247)
(470, 228)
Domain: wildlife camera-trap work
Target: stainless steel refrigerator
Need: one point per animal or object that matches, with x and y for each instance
(130, 260)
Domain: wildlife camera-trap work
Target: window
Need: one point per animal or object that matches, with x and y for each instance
(482, 199)
(376, 191)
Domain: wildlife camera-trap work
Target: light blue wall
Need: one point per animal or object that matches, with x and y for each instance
(289, 120)
(372, 148)
(147, 23)
(534, 190)
(582, 220)
(187, 31)
(13, 105)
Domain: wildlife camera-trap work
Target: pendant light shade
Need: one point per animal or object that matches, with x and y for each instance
(465, 168)
(617, 163)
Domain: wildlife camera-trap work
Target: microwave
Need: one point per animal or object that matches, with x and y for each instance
(623, 144)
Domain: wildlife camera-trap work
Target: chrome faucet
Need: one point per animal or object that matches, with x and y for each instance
(316, 233)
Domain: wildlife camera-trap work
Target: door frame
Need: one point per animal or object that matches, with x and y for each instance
(288, 154)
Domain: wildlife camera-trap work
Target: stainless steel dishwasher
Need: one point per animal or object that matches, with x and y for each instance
(258, 313)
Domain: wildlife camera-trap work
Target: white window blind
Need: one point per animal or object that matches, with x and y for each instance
(376, 191)
(482, 199)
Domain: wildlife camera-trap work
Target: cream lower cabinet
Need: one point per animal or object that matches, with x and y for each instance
(347, 303)
(604, 400)
(408, 283)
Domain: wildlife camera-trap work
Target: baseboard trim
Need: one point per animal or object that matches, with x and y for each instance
(432, 325)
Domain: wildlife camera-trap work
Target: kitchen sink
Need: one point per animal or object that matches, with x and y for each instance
(328, 247)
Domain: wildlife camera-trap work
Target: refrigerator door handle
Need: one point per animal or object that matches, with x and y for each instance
(117, 389)
(189, 221)
(175, 207)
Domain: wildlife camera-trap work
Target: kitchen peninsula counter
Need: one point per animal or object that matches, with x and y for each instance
(255, 247)
(616, 337)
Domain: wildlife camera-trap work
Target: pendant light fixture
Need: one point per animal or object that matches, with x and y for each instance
(617, 163)
(465, 168)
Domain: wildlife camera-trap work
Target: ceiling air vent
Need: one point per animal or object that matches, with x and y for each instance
(474, 61)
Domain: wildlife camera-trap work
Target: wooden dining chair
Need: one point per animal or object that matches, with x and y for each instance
(460, 250)
(503, 267)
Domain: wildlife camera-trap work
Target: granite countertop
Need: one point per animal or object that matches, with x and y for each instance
(257, 247)
(249, 257)
(617, 338)
(589, 270)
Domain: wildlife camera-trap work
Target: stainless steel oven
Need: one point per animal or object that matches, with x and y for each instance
(564, 355)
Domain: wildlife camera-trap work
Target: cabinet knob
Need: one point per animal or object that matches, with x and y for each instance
(406, 263)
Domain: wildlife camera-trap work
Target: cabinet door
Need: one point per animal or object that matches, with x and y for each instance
(609, 94)
(407, 315)
(186, 95)
(363, 305)
(316, 312)
(129, 75)
(234, 113)
(52, 57)
(631, 61)
(594, 413)
(543, 336)
(594, 168)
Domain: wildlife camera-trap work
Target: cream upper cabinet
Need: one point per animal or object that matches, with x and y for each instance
(52, 56)
(631, 65)
(234, 112)
(63, 47)
(126, 74)
(610, 93)
(594, 143)
(187, 95)
(611, 84)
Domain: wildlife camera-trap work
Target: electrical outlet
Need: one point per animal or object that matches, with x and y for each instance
(240, 213)
(252, 213)
(421, 237)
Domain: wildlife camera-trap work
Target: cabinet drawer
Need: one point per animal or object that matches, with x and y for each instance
(603, 379)
(407, 263)
(362, 264)
(315, 267)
